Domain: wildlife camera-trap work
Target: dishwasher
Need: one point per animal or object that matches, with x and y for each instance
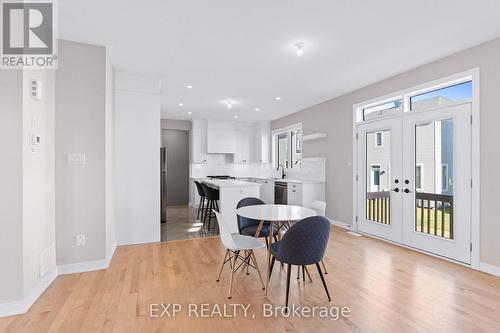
(280, 193)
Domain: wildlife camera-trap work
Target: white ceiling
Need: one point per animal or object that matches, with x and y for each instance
(244, 50)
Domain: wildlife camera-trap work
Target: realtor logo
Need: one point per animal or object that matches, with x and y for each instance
(28, 34)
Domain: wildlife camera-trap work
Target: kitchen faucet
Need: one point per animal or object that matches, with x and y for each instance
(282, 171)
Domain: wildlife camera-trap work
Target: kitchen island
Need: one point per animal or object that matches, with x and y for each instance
(230, 193)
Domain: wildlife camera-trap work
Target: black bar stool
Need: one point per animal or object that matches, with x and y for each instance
(212, 196)
(201, 206)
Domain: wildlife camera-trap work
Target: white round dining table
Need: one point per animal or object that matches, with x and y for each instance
(273, 214)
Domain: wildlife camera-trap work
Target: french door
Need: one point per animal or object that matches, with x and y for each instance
(414, 173)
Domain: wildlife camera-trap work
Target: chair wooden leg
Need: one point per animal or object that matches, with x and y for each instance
(273, 259)
(303, 273)
(324, 267)
(233, 267)
(252, 256)
(323, 280)
(289, 270)
(298, 272)
(222, 266)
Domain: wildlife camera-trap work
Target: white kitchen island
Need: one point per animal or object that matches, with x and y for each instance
(230, 193)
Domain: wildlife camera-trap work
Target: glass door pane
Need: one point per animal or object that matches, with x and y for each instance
(378, 177)
(434, 178)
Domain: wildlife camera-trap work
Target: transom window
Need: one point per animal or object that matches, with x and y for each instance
(287, 147)
(443, 94)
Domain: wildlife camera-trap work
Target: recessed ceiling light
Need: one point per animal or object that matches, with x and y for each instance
(189, 112)
(235, 117)
(300, 48)
(181, 104)
(278, 98)
(189, 86)
(257, 109)
(229, 105)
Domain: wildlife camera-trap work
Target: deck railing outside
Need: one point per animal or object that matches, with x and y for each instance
(433, 212)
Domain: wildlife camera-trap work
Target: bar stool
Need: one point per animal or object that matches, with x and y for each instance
(201, 206)
(212, 196)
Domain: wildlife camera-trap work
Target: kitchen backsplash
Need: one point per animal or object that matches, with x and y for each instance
(222, 164)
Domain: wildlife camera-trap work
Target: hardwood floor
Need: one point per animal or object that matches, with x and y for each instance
(387, 288)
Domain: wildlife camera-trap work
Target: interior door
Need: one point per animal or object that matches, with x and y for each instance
(436, 181)
(379, 179)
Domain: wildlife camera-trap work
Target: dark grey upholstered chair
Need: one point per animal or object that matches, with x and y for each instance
(212, 196)
(303, 244)
(248, 226)
(201, 206)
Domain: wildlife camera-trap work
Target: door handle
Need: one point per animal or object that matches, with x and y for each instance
(407, 190)
(396, 190)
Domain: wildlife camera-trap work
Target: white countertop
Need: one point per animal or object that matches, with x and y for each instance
(286, 180)
(220, 183)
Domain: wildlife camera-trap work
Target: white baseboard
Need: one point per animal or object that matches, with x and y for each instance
(340, 224)
(22, 306)
(86, 266)
(490, 269)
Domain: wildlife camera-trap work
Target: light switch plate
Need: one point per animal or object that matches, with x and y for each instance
(76, 159)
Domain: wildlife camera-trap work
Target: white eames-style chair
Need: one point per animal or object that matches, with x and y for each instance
(235, 244)
(320, 208)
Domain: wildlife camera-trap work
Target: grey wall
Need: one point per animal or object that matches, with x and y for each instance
(335, 118)
(80, 128)
(11, 196)
(177, 145)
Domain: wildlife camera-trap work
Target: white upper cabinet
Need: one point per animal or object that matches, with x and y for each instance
(262, 143)
(199, 141)
(221, 137)
(244, 142)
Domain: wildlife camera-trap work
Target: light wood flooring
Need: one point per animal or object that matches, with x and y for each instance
(388, 289)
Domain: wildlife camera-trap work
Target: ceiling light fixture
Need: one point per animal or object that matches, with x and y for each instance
(257, 109)
(278, 98)
(300, 48)
(229, 105)
(189, 86)
(189, 112)
(181, 104)
(235, 117)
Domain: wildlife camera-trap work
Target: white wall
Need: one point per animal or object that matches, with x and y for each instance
(11, 197)
(81, 128)
(39, 255)
(137, 159)
(109, 151)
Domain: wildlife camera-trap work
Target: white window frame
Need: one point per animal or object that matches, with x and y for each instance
(274, 136)
(469, 75)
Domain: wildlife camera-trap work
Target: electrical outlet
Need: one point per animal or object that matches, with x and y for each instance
(80, 240)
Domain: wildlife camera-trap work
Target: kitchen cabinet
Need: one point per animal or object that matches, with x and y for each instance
(244, 143)
(304, 194)
(295, 194)
(199, 141)
(266, 190)
(262, 143)
(221, 137)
